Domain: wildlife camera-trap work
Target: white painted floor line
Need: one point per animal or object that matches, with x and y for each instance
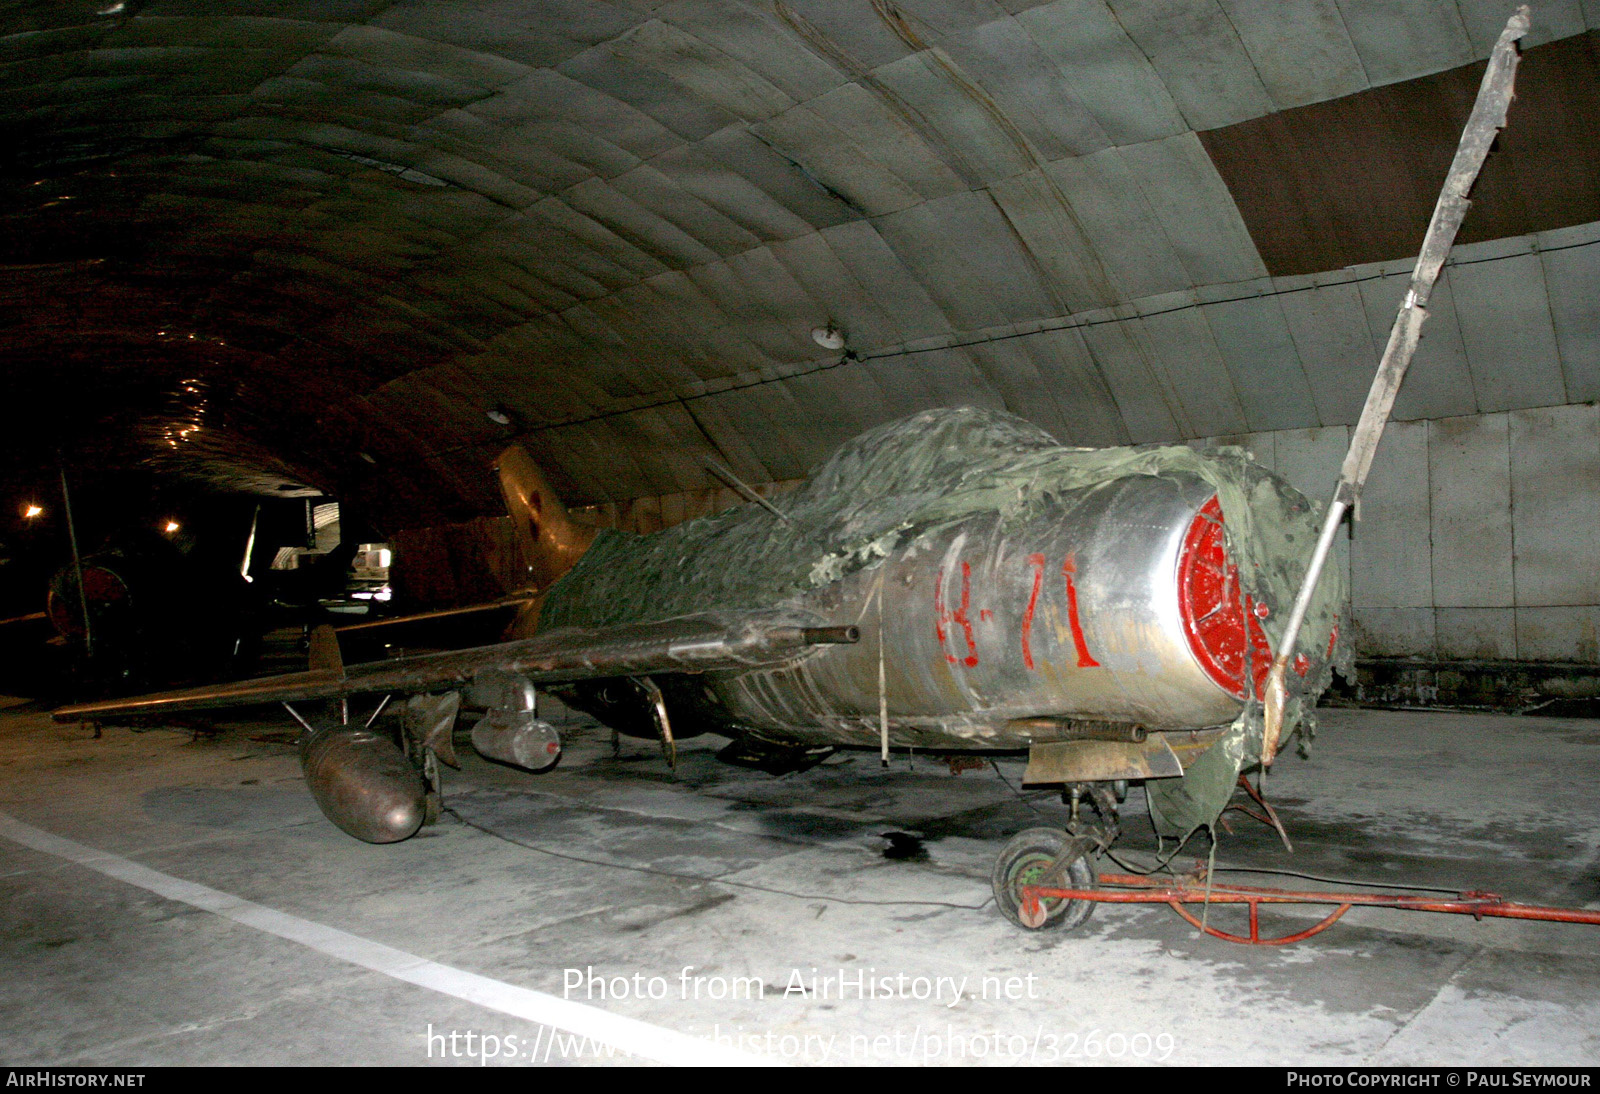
(627, 1035)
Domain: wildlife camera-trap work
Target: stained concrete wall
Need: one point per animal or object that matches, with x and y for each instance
(1479, 537)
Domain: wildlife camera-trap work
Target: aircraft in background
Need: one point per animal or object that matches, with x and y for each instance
(955, 582)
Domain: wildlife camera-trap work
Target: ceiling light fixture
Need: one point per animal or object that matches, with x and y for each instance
(498, 415)
(828, 337)
(31, 510)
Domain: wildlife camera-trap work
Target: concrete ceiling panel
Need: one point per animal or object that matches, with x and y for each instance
(1254, 339)
(1300, 49)
(877, 132)
(971, 133)
(1010, 369)
(1194, 47)
(763, 418)
(701, 321)
(759, 298)
(1195, 210)
(570, 218)
(1552, 19)
(646, 90)
(703, 71)
(1439, 384)
(1329, 325)
(1120, 357)
(651, 190)
(897, 293)
(1508, 333)
(1202, 391)
(1073, 379)
(1401, 39)
(858, 26)
(987, 281)
(1126, 235)
(551, 98)
(880, 391)
(830, 420)
(732, 426)
(953, 378)
(536, 35)
(1105, 70)
(826, 153)
(386, 49)
(1048, 226)
(1028, 87)
(838, 298)
(758, 39)
(1572, 280)
(742, 202)
(747, 156)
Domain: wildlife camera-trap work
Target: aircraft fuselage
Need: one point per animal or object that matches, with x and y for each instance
(1115, 604)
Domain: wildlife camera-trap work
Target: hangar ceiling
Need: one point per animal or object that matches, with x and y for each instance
(316, 241)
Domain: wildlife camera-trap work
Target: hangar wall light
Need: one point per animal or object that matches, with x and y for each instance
(498, 415)
(31, 510)
(828, 337)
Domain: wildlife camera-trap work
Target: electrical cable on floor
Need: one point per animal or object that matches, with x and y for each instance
(1021, 797)
(1162, 864)
(700, 879)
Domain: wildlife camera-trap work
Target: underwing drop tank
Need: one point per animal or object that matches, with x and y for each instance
(363, 783)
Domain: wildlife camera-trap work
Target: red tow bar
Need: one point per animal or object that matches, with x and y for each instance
(1133, 889)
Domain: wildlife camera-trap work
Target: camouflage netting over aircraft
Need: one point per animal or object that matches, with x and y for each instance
(924, 473)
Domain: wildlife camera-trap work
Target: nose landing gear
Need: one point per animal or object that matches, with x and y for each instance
(1050, 857)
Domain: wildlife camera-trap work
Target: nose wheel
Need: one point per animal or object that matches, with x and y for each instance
(1048, 857)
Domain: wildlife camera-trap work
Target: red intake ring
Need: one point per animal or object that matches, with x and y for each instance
(1216, 618)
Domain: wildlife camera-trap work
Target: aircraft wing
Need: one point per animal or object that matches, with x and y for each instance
(696, 643)
(516, 601)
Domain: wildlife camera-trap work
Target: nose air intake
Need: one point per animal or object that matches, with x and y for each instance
(1223, 627)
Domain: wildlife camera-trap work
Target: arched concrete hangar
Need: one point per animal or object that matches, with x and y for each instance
(891, 440)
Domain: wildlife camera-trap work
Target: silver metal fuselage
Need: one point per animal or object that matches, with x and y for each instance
(1074, 614)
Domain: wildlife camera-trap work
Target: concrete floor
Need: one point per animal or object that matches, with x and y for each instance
(98, 971)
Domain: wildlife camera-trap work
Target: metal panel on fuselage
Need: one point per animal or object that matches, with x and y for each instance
(1074, 613)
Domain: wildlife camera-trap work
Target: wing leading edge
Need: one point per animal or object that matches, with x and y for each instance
(697, 643)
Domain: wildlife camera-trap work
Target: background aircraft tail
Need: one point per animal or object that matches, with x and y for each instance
(549, 540)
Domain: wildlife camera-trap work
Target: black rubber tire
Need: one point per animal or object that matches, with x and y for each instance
(1024, 857)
